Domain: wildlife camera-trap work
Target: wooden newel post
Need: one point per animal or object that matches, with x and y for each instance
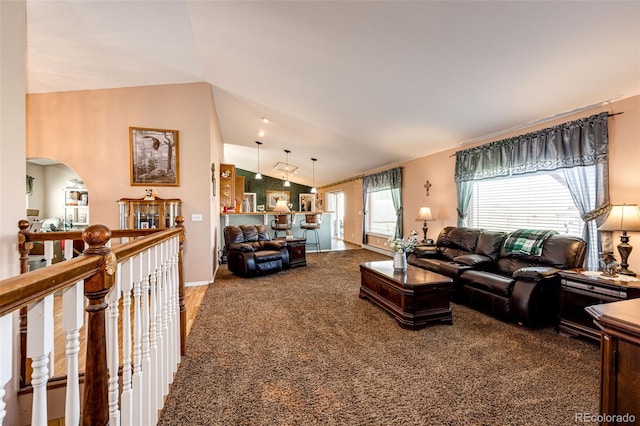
(183, 309)
(95, 409)
(24, 247)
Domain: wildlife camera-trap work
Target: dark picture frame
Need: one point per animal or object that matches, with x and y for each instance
(154, 157)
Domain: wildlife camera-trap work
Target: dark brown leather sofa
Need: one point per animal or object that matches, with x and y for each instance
(250, 251)
(514, 286)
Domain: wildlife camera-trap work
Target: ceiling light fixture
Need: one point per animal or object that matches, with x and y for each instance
(313, 188)
(265, 119)
(261, 133)
(258, 175)
(286, 182)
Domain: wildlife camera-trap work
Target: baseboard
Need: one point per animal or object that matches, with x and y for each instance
(196, 283)
(377, 250)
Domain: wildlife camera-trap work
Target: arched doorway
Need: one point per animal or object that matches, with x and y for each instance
(56, 196)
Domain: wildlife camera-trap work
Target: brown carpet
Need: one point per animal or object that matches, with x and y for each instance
(300, 348)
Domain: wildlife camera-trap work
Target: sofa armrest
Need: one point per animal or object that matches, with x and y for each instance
(426, 251)
(473, 260)
(274, 244)
(243, 247)
(536, 273)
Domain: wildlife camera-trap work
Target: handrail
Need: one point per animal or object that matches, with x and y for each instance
(96, 267)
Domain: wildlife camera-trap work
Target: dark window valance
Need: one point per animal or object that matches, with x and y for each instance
(582, 142)
(387, 179)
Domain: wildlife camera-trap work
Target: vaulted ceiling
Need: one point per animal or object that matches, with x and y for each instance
(357, 85)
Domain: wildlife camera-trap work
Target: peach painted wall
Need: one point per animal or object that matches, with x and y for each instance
(89, 132)
(438, 169)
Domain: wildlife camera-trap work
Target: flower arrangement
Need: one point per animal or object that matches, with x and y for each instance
(403, 245)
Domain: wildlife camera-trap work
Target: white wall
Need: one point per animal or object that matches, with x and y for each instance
(12, 168)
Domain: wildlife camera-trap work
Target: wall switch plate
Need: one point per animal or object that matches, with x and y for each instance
(196, 217)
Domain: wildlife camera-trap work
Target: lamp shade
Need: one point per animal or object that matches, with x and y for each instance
(281, 207)
(425, 214)
(622, 218)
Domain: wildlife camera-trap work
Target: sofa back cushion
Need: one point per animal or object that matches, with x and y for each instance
(558, 251)
(564, 252)
(245, 234)
(254, 233)
(490, 243)
(453, 241)
(233, 235)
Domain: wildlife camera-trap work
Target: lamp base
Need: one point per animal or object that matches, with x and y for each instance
(424, 231)
(626, 272)
(624, 248)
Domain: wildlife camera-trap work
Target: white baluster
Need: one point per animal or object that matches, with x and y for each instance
(48, 257)
(147, 399)
(126, 416)
(48, 252)
(139, 276)
(164, 321)
(6, 358)
(39, 346)
(68, 249)
(174, 337)
(156, 387)
(72, 320)
(113, 342)
(176, 301)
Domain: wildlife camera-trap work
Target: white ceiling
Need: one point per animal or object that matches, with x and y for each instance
(356, 84)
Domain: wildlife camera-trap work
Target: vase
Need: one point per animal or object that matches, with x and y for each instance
(400, 261)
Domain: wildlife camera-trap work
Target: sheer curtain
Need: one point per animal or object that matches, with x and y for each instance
(387, 180)
(580, 147)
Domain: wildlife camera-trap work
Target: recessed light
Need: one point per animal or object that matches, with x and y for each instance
(261, 133)
(265, 120)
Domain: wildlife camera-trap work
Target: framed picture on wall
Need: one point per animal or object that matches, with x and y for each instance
(154, 157)
(274, 196)
(307, 202)
(249, 202)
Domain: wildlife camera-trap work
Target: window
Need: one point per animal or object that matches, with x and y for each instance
(538, 201)
(381, 217)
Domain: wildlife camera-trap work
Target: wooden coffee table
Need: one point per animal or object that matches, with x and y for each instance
(415, 298)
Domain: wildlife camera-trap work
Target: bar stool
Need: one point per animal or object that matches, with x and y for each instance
(311, 222)
(282, 222)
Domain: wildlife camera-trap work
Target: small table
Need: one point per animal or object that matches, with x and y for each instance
(415, 297)
(297, 248)
(579, 290)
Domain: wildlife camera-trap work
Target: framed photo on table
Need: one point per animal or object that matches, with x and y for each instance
(154, 157)
(274, 196)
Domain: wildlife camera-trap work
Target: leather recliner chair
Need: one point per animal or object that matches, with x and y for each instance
(250, 251)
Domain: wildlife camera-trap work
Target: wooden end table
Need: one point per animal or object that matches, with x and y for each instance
(579, 290)
(297, 248)
(415, 298)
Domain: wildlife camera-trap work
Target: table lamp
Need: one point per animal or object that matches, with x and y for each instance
(425, 215)
(623, 218)
(281, 208)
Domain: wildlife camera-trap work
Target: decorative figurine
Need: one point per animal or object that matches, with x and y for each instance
(150, 194)
(608, 264)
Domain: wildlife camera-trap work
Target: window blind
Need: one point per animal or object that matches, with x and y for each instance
(537, 201)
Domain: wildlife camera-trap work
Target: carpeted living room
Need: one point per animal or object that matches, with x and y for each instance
(300, 347)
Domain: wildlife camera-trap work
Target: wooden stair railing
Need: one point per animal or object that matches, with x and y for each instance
(99, 269)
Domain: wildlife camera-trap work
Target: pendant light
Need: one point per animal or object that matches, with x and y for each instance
(286, 182)
(313, 188)
(258, 175)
